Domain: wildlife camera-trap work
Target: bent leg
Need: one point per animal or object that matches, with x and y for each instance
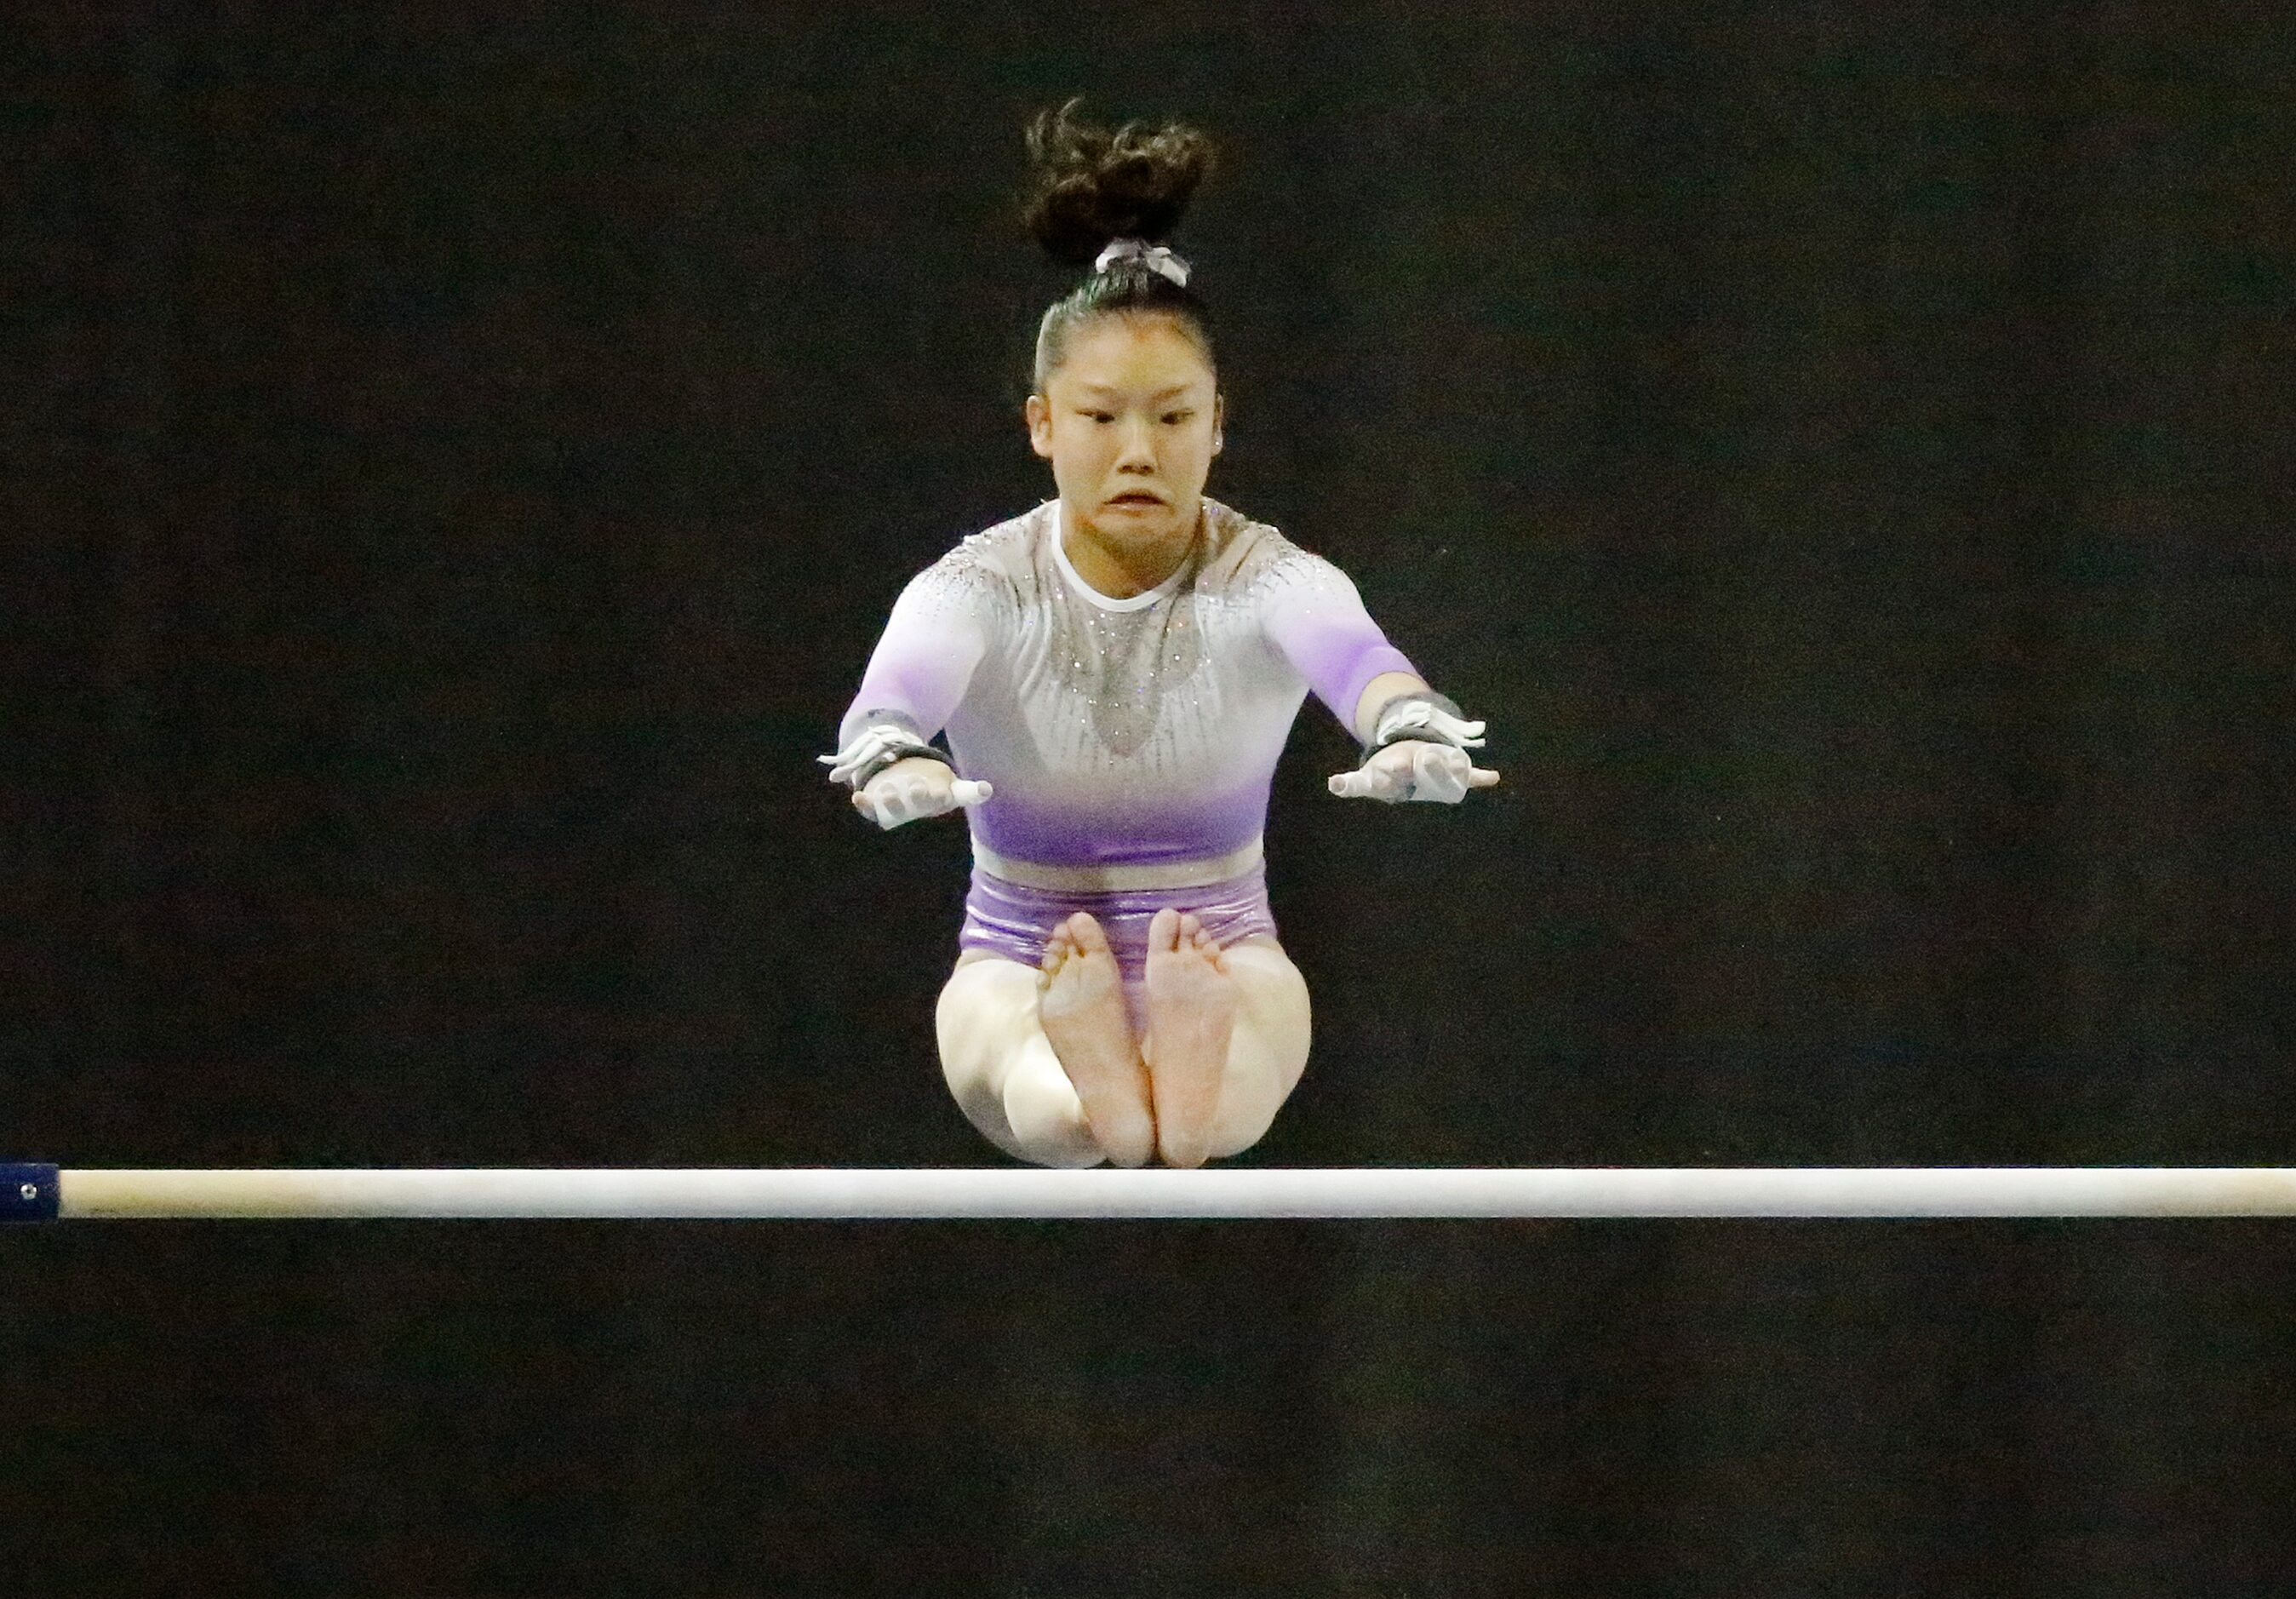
(1001, 1068)
(1268, 1049)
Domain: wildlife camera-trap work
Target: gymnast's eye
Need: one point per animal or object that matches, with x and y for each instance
(1099, 416)
(1173, 419)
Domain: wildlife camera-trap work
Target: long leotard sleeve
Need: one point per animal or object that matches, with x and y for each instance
(937, 634)
(1314, 615)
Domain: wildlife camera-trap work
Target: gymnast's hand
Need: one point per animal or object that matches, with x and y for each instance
(911, 790)
(1415, 769)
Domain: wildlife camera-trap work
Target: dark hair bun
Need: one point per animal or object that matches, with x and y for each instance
(1093, 184)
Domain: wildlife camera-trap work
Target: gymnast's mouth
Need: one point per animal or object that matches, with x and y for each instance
(1137, 499)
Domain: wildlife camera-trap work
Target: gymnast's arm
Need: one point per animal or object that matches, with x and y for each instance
(1415, 740)
(917, 677)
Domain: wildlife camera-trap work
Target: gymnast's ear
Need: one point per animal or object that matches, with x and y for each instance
(1219, 421)
(1039, 415)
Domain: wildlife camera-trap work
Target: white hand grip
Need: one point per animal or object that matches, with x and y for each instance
(1413, 770)
(965, 791)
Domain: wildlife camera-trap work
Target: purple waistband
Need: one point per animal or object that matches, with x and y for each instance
(1011, 919)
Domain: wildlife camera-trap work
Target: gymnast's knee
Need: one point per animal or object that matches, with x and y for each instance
(1001, 1070)
(1257, 1085)
(1267, 1052)
(987, 1012)
(1042, 1115)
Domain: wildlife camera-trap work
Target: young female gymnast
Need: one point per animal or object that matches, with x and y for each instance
(1117, 671)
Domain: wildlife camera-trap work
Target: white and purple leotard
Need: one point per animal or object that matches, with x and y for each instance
(1128, 741)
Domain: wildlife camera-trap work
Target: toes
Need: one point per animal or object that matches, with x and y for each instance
(1194, 935)
(1213, 956)
(1164, 930)
(1085, 934)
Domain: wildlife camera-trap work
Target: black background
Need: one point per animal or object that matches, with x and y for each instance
(453, 468)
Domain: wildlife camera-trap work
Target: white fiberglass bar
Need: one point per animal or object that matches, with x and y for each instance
(1462, 1193)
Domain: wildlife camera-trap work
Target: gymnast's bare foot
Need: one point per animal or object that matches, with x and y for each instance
(1191, 1017)
(1082, 1006)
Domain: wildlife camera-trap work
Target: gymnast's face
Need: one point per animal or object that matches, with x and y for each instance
(1130, 421)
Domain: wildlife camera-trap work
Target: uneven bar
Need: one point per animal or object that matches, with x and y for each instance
(1220, 1193)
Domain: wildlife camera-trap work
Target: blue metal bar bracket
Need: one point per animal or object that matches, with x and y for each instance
(27, 1191)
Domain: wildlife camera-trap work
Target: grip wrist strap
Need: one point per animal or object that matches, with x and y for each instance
(878, 745)
(1426, 716)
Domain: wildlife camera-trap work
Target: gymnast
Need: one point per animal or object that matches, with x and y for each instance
(1117, 671)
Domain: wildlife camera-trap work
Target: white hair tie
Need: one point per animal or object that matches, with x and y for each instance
(1157, 258)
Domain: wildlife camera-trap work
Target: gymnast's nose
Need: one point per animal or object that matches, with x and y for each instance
(1136, 447)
